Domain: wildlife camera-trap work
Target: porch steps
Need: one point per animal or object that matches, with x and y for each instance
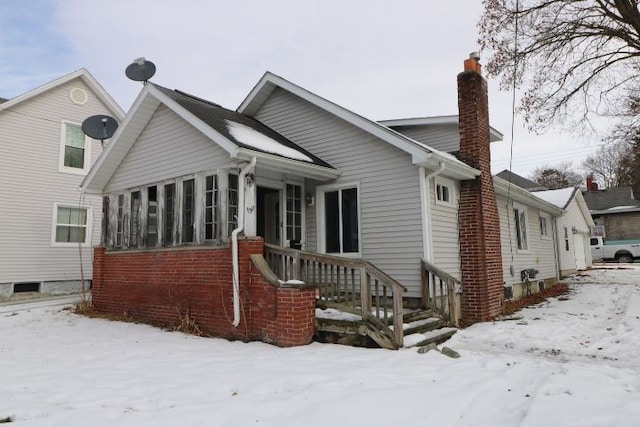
(421, 327)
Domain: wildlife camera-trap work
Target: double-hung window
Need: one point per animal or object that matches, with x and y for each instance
(188, 210)
(520, 218)
(341, 221)
(211, 208)
(445, 191)
(233, 203)
(152, 216)
(169, 214)
(120, 221)
(294, 213)
(74, 149)
(134, 230)
(544, 225)
(71, 225)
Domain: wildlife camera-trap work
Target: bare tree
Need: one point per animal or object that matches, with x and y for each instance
(574, 58)
(612, 165)
(558, 176)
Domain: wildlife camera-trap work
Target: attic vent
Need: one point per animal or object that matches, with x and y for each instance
(78, 96)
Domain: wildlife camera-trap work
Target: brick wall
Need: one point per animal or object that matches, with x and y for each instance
(162, 286)
(480, 250)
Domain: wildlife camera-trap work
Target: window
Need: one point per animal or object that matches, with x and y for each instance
(566, 239)
(188, 210)
(444, 191)
(233, 203)
(544, 225)
(152, 216)
(520, 216)
(120, 221)
(341, 221)
(70, 225)
(169, 214)
(74, 150)
(211, 208)
(134, 231)
(294, 212)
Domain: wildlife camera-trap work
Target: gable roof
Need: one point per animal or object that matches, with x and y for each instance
(520, 181)
(563, 197)
(494, 134)
(86, 77)
(521, 195)
(242, 137)
(422, 155)
(610, 198)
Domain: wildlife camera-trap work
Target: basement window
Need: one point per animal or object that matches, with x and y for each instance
(26, 287)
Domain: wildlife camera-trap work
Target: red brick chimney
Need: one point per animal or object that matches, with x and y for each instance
(480, 248)
(591, 184)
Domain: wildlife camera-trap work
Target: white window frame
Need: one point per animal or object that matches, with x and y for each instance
(321, 220)
(87, 151)
(522, 208)
(303, 213)
(547, 230)
(54, 225)
(439, 184)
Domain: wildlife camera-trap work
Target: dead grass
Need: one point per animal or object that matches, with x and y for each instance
(556, 290)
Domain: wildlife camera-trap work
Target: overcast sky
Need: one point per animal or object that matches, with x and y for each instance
(381, 59)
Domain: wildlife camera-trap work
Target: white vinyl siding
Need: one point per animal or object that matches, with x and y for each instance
(441, 137)
(521, 226)
(391, 238)
(169, 147)
(445, 233)
(540, 253)
(32, 183)
(577, 255)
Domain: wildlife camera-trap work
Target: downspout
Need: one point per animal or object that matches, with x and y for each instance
(425, 190)
(556, 248)
(234, 242)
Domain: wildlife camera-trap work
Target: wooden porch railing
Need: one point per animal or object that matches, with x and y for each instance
(439, 291)
(353, 285)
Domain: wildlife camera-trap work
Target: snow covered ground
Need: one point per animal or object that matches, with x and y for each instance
(569, 362)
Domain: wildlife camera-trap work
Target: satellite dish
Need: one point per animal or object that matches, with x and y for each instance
(100, 127)
(140, 70)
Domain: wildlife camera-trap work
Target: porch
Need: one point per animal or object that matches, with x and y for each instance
(359, 304)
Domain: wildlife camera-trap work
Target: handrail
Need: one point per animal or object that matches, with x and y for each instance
(439, 291)
(355, 283)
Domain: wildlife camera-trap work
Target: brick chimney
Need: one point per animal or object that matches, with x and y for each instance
(591, 184)
(480, 247)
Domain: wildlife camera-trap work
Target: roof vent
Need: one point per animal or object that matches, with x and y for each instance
(78, 96)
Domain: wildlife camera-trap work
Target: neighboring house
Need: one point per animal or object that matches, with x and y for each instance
(183, 174)
(43, 158)
(520, 181)
(615, 209)
(573, 229)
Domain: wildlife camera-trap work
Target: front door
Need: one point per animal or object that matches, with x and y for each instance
(268, 215)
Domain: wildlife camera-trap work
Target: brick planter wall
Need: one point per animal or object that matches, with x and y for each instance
(162, 286)
(480, 247)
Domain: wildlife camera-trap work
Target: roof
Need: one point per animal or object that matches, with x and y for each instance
(519, 194)
(609, 198)
(422, 154)
(82, 74)
(226, 122)
(563, 197)
(494, 134)
(241, 136)
(520, 181)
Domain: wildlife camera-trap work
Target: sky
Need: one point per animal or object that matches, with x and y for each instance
(380, 59)
(571, 362)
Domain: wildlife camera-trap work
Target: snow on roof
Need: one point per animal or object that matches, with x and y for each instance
(255, 139)
(559, 198)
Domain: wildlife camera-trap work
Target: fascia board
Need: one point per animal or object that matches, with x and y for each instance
(523, 196)
(306, 169)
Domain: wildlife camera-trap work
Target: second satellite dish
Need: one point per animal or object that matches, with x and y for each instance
(140, 70)
(100, 127)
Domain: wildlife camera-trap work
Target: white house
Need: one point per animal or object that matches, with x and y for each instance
(44, 155)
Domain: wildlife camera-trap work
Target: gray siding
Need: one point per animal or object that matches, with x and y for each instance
(30, 135)
(169, 147)
(540, 254)
(391, 227)
(441, 137)
(444, 225)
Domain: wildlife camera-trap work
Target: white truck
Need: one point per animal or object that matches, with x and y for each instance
(614, 251)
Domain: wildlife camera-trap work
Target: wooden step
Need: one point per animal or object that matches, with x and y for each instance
(414, 315)
(422, 326)
(436, 336)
